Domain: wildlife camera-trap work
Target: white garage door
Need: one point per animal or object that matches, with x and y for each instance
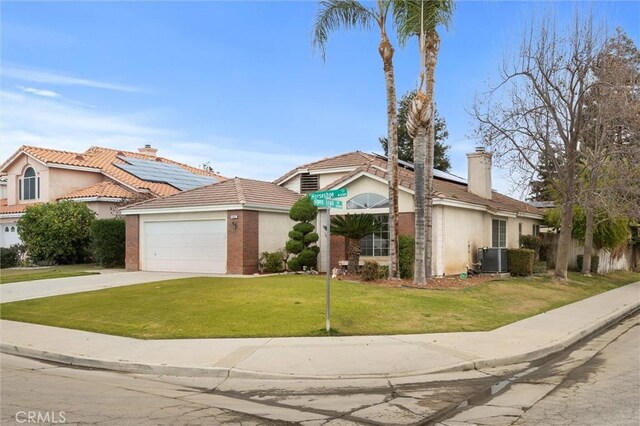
(186, 246)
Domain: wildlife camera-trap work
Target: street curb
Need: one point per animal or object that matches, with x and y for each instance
(562, 344)
(225, 372)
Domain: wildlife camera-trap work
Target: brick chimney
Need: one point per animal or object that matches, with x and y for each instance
(479, 181)
(147, 150)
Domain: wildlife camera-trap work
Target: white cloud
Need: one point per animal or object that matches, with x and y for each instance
(22, 73)
(40, 92)
(60, 124)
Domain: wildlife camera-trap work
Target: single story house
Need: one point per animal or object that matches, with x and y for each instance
(249, 217)
(220, 228)
(101, 177)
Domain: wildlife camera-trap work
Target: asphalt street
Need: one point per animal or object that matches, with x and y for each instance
(596, 383)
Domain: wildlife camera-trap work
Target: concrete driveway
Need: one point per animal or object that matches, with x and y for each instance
(43, 288)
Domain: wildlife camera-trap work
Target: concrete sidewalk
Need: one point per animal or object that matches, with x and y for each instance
(326, 357)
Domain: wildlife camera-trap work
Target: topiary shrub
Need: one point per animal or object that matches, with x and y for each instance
(57, 232)
(406, 254)
(9, 257)
(272, 262)
(595, 261)
(302, 239)
(370, 271)
(520, 261)
(108, 242)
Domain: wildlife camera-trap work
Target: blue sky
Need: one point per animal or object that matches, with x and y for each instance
(238, 83)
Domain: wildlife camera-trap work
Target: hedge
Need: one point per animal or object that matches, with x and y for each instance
(520, 261)
(407, 247)
(595, 261)
(9, 257)
(108, 242)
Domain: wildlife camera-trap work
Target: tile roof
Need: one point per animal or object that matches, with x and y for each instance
(350, 159)
(104, 159)
(16, 208)
(443, 189)
(102, 189)
(229, 192)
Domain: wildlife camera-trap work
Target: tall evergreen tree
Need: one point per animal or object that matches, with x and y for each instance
(441, 159)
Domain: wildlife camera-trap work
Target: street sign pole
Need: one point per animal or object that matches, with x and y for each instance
(328, 319)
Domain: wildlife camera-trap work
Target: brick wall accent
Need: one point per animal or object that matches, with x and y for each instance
(338, 252)
(406, 223)
(132, 243)
(242, 242)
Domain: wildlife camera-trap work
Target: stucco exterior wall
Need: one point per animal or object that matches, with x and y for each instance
(328, 178)
(62, 182)
(103, 209)
(365, 184)
(273, 230)
(293, 184)
(463, 231)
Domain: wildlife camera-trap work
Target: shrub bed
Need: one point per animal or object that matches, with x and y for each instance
(520, 261)
(108, 242)
(595, 261)
(9, 257)
(406, 252)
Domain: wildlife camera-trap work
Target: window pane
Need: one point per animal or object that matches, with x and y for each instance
(377, 244)
(498, 233)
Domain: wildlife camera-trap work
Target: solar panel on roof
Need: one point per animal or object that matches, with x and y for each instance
(155, 171)
(437, 173)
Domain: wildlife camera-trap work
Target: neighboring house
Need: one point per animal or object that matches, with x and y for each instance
(220, 228)
(101, 177)
(249, 217)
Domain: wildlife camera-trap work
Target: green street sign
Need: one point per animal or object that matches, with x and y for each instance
(334, 204)
(327, 195)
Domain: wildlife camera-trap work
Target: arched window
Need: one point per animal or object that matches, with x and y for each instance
(6, 229)
(29, 185)
(368, 200)
(13, 229)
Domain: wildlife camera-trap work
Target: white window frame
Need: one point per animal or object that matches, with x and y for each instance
(25, 180)
(378, 246)
(502, 233)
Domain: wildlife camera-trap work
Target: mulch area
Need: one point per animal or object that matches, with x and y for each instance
(446, 283)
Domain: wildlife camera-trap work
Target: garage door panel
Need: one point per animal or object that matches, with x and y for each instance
(186, 246)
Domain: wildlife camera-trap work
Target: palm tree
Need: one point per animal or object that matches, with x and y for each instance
(354, 227)
(334, 14)
(420, 18)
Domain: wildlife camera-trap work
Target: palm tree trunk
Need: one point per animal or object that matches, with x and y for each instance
(428, 203)
(431, 58)
(386, 53)
(353, 256)
(419, 148)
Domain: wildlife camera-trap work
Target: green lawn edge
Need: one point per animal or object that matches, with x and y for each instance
(293, 306)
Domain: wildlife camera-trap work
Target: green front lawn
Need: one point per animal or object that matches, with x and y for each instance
(294, 306)
(31, 274)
